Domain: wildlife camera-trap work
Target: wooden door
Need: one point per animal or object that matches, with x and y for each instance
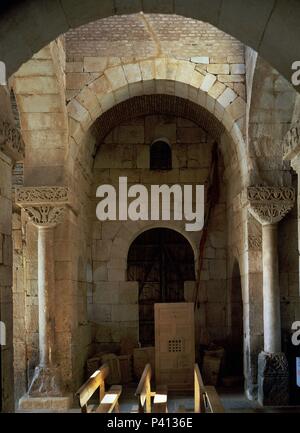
(175, 345)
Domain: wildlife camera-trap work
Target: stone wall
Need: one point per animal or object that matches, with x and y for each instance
(113, 301)
(146, 35)
(6, 298)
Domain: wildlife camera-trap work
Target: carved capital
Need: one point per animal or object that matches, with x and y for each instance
(45, 206)
(291, 142)
(268, 204)
(11, 142)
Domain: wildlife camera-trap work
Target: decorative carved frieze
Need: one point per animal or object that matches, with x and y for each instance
(270, 204)
(11, 142)
(45, 206)
(291, 142)
(43, 194)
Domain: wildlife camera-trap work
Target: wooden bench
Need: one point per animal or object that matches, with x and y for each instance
(144, 394)
(206, 398)
(108, 401)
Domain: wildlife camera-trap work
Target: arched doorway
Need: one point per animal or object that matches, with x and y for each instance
(235, 361)
(160, 260)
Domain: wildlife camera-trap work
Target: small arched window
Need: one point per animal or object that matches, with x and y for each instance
(160, 155)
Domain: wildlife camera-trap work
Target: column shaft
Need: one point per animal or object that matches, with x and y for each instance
(46, 288)
(271, 292)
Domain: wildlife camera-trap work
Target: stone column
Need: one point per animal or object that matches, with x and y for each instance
(45, 207)
(269, 205)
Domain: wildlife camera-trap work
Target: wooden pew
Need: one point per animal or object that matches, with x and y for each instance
(199, 391)
(108, 401)
(144, 394)
(206, 398)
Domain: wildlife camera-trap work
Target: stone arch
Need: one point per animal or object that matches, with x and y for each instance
(30, 25)
(127, 234)
(40, 95)
(161, 76)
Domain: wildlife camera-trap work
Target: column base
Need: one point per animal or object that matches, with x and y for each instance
(46, 382)
(47, 404)
(273, 379)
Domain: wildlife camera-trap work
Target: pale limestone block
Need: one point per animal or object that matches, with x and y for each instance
(132, 72)
(125, 313)
(75, 130)
(218, 59)
(216, 90)
(31, 121)
(77, 80)
(227, 97)
(196, 79)
(218, 68)
(200, 59)
(239, 69)
(114, 61)
(36, 85)
(208, 82)
(184, 72)
(107, 101)
(236, 59)
(78, 112)
(100, 86)
(36, 68)
(40, 103)
(94, 64)
(160, 68)
(116, 77)
(74, 67)
(147, 70)
(231, 78)
(172, 65)
(237, 109)
(89, 100)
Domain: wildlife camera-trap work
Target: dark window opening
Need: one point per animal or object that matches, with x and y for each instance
(160, 156)
(161, 260)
